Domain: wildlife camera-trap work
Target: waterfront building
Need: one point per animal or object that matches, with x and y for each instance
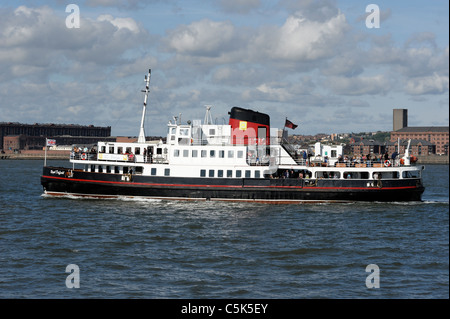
(32, 136)
(435, 135)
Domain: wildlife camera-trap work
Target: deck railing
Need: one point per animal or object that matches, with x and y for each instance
(359, 164)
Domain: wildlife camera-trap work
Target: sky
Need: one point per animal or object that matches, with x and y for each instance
(323, 64)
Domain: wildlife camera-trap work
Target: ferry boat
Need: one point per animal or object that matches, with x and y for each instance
(244, 160)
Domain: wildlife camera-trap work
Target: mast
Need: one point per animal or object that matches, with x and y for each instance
(141, 138)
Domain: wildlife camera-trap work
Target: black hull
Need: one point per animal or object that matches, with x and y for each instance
(62, 181)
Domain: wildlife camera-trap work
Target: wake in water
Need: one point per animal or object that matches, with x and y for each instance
(89, 197)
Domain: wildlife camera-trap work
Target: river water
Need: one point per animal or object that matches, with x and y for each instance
(170, 249)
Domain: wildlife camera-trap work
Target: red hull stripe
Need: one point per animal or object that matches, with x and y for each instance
(220, 186)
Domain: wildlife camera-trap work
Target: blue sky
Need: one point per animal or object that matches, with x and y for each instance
(314, 62)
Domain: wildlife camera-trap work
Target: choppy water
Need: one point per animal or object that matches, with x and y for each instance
(164, 249)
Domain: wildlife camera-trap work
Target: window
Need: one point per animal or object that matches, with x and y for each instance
(211, 173)
(238, 173)
(176, 153)
(139, 169)
(137, 151)
(111, 150)
(257, 174)
(203, 153)
(116, 169)
(240, 154)
(230, 154)
(153, 171)
(128, 150)
(167, 172)
(203, 173)
(212, 153)
(194, 153)
(212, 131)
(229, 173)
(185, 153)
(247, 174)
(220, 173)
(411, 174)
(119, 150)
(221, 154)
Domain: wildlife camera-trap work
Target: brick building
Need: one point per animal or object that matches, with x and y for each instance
(32, 136)
(365, 147)
(435, 135)
(416, 148)
(13, 143)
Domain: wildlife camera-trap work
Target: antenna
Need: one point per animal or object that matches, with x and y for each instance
(208, 117)
(141, 138)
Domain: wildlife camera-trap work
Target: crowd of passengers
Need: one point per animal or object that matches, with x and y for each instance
(367, 159)
(351, 161)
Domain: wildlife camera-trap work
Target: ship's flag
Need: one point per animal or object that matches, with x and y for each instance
(290, 124)
(51, 142)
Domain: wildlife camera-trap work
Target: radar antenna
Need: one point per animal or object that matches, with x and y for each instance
(208, 117)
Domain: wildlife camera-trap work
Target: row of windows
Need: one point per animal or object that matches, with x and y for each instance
(154, 171)
(248, 173)
(210, 153)
(229, 173)
(114, 169)
(216, 173)
(129, 150)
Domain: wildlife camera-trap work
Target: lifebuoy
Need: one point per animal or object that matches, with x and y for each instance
(402, 161)
(84, 156)
(387, 163)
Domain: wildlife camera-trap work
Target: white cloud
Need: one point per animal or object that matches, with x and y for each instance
(120, 23)
(35, 41)
(298, 41)
(302, 39)
(434, 84)
(377, 84)
(203, 38)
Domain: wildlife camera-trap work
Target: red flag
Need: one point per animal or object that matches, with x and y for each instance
(290, 124)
